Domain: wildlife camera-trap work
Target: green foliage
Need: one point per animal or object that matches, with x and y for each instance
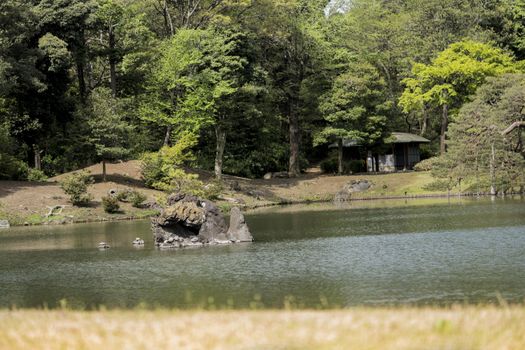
(453, 76)
(123, 196)
(478, 149)
(353, 108)
(157, 167)
(259, 84)
(163, 170)
(330, 166)
(55, 51)
(36, 175)
(110, 204)
(76, 185)
(137, 198)
(109, 131)
(213, 189)
(426, 165)
(12, 168)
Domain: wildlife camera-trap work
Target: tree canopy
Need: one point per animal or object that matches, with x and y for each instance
(260, 85)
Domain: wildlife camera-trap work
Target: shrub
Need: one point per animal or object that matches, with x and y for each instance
(136, 198)
(151, 168)
(76, 185)
(331, 166)
(354, 166)
(36, 175)
(425, 165)
(213, 189)
(177, 180)
(12, 168)
(110, 204)
(123, 196)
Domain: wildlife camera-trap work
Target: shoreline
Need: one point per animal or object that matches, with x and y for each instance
(225, 206)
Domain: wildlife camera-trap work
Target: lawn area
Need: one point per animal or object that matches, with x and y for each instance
(465, 327)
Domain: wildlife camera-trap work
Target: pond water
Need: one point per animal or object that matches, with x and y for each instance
(374, 253)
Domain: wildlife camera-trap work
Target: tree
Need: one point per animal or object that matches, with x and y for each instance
(353, 108)
(451, 78)
(198, 72)
(109, 131)
(478, 147)
(294, 60)
(68, 20)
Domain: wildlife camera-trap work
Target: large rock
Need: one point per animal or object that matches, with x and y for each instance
(4, 224)
(343, 195)
(192, 221)
(358, 186)
(238, 231)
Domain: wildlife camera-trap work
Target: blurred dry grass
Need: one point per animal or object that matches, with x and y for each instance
(469, 327)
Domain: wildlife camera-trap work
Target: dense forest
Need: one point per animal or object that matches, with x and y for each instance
(245, 87)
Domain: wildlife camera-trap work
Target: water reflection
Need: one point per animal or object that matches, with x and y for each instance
(383, 253)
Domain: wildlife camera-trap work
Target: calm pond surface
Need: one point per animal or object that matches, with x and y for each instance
(374, 253)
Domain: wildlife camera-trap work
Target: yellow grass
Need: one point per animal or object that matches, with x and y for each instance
(465, 327)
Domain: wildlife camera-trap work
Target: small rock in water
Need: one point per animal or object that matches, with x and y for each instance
(138, 241)
(4, 224)
(103, 245)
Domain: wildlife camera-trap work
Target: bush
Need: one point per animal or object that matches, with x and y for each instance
(36, 175)
(163, 171)
(354, 166)
(331, 166)
(152, 168)
(110, 204)
(124, 196)
(425, 165)
(12, 168)
(76, 185)
(213, 189)
(136, 198)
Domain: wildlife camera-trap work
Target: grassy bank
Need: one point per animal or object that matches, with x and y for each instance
(468, 327)
(28, 202)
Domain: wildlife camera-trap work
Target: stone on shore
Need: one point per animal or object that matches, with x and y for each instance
(4, 224)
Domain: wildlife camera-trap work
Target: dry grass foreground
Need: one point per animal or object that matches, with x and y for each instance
(362, 328)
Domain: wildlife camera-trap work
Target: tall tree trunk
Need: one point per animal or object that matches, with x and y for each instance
(167, 136)
(112, 63)
(444, 126)
(103, 170)
(80, 63)
(81, 81)
(340, 156)
(493, 171)
(220, 134)
(424, 122)
(168, 23)
(294, 166)
(38, 157)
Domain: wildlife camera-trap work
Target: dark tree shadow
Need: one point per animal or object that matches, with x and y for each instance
(119, 179)
(9, 187)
